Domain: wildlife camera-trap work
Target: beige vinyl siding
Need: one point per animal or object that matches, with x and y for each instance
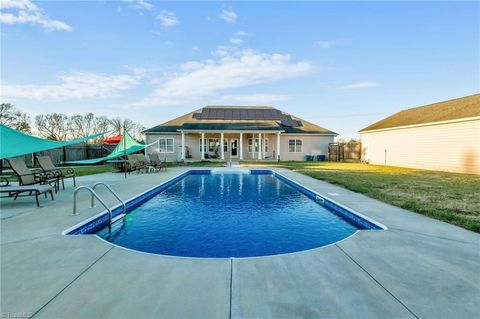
(453, 147)
(177, 140)
(311, 145)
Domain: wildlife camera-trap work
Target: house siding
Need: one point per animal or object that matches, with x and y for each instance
(170, 157)
(312, 145)
(453, 147)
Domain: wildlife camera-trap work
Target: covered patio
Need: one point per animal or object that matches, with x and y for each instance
(230, 145)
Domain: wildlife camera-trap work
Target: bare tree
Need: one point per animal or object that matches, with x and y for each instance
(81, 125)
(53, 126)
(88, 124)
(137, 130)
(11, 116)
(101, 124)
(118, 125)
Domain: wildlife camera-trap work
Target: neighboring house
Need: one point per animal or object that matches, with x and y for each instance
(442, 136)
(238, 133)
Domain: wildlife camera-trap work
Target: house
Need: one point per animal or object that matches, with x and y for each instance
(442, 136)
(244, 132)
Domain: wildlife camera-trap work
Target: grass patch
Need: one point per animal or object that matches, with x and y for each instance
(450, 197)
(90, 170)
(196, 164)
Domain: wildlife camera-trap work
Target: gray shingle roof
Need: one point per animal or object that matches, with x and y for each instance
(236, 118)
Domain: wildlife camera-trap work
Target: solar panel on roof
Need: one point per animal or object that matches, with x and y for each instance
(236, 114)
(288, 121)
(218, 113)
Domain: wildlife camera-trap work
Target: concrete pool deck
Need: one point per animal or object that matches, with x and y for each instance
(418, 268)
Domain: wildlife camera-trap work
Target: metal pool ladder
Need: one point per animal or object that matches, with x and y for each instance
(111, 219)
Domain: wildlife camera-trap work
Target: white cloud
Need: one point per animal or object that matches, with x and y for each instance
(324, 44)
(194, 80)
(361, 85)
(195, 48)
(228, 15)
(242, 34)
(223, 51)
(167, 19)
(26, 12)
(139, 4)
(257, 98)
(76, 85)
(236, 41)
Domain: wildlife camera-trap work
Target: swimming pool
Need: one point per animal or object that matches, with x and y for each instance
(231, 214)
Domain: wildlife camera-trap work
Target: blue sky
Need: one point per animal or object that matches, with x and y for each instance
(342, 65)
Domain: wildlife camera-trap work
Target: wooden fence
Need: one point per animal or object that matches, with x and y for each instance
(76, 152)
(344, 152)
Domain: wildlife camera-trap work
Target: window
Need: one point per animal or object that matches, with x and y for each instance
(166, 145)
(212, 144)
(225, 146)
(295, 146)
(170, 148)
(250, 145)
(200, 144)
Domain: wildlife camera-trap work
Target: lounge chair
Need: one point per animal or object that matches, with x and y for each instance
(156, 162)
(134, 163)
(20, 191)
(142, 159)
(26, 177)
(46, 164)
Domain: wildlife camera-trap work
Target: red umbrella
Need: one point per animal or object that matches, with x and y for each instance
(113, 140)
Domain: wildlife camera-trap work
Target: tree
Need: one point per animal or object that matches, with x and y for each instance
(11, 116)
(101, 124)
(135, 129)
(88, 124)
(119, 125)
(53, 126)
(81, 125)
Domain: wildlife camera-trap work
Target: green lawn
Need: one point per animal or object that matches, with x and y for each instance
(89, 170)
(451, 197)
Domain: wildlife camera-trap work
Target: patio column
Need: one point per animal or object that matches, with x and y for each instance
(241, 146)
(203, 146)
(278, 146)
(253, 146)
(221, 146)
(260, 146)
(183, 146)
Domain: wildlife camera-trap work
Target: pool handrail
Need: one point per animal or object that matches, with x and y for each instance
(93, 194)
(92, 204)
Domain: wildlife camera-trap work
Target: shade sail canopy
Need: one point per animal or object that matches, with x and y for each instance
(113, 140)
(15, 143)
(127, 145)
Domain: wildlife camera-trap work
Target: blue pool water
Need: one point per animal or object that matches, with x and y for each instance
(228, 215)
